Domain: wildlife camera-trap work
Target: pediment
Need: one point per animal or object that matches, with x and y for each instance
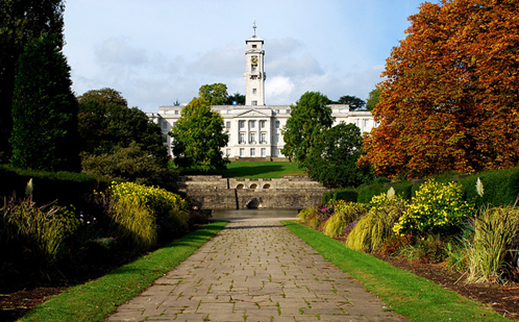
(253, 113)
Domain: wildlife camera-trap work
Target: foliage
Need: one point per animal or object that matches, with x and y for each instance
(308, 118)
(390, 198)
(344, 214)
(306, 213)
(354, 102)
(501, 187)
(44, 135)
(237, 97)
(373, 99)
(130, 163)
(437, 208)
(214, 94)
(346, 194)
(170, 210)
(31, 236)
(496, 230)
(134, 223)
(431, 249)
(449, 101)
(374, 228)
(260, 169)
(332, 157)
(106, 124)
(367, 192)
(22, 21)
(198, 137)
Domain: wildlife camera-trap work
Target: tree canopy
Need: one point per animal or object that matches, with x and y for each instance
(44, 135)
(332, 160)
(308, 118)
(107, 124)
(449, 101)
(215, 94)
(373, 99)
(354, 102)
(20, 22)
(199, 136)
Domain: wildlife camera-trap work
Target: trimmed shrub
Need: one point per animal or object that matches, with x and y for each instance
(495, 232)
(437, 208)
(347, 194)
(501, 187)
(403, 189)
(345, 213)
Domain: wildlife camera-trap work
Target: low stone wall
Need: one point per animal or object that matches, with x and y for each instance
(215, 192)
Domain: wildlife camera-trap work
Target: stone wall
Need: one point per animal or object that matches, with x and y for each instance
(289, 192)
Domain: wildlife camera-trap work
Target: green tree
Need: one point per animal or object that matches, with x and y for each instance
(20, 22)
(199, 136)
(237, 97)
(332, 159)
(373, 98)
(308, 118)
(354, 102)
(44, 135)
(215, 94)
(107, 124)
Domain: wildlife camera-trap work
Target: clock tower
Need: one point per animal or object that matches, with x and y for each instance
(255, 71)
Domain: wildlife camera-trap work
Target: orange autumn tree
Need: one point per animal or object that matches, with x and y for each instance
(451, 94)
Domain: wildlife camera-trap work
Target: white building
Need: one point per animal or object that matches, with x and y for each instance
(255, 128)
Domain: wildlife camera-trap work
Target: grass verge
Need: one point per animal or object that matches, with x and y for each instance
(260, 169)
(414, 297)
(94, 300)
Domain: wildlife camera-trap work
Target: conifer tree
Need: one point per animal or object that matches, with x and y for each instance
(44, 135)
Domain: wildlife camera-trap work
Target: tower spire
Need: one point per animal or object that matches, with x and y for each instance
(254, 27)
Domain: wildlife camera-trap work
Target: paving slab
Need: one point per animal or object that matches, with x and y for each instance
(255, 270)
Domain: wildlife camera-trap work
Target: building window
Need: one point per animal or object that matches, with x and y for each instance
(242, 124)
(277, 137)
(366, 122)
(263, 152)
(252, 124)
(254, 91)
(176, 112)
(252, 152)
(277, 111)
(276, 152)
(287, 111)
(277, 124)
(242, 152)
(262, 124)
(228, 152)
(174, 124)
(164, 125)
(254, 46)
(252, 137)
(228, 124)
(263, 137)
(254, 103)
(241, 138)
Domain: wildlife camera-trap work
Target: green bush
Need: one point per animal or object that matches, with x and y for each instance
(431, 249)
(31, 236)
(437, 208)
(170, 210)
(495, 232)
(373, 229)
(403, 189)
(501, 187)
(306, 213)
(345, 213)
(347, 194)
(134, 223)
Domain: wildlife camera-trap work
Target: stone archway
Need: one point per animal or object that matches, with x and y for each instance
(254, 204)
(253, 186)
(240, 186)
(266, 186)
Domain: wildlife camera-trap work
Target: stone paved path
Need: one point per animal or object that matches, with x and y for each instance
(255, 270)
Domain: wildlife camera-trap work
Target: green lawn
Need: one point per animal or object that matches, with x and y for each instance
(416, 298)
(260, 169)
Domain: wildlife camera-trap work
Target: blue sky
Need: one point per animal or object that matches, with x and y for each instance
(158, 51)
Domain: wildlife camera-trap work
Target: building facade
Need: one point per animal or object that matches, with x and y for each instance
(255, 128)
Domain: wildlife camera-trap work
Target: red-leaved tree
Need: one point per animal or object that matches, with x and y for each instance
(451, 94)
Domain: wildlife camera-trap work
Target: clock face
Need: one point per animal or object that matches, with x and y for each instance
(254, 60)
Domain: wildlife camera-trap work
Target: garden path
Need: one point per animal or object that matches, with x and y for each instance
(255, 270)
